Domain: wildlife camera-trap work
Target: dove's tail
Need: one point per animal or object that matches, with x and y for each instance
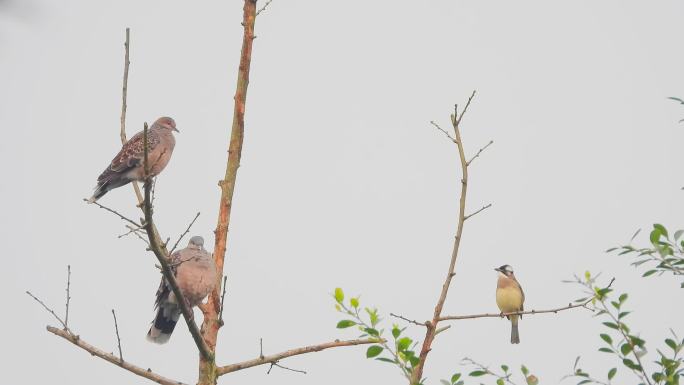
(164, 323)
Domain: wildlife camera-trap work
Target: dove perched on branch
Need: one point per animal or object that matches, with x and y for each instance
(128, 164)
(195, 273)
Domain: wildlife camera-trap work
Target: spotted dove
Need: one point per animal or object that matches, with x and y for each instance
(195, 273)
(128, 164)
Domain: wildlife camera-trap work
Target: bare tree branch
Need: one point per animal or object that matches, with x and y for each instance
(483, 208)
(292, 352)
(283, 367)
(431, 332)
(479, 152)
(48, 309)
(118, 339)
(408, 320)
(159, 249)
(443, 130)
(68, 298)
(527, 312)
(134, 223)
(223, 297)
(184, 233)
(263, 8)
(78, 341)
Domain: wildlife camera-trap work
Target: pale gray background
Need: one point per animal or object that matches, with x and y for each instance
(343, 181)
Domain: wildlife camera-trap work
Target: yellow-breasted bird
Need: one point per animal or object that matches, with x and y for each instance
(509, 298)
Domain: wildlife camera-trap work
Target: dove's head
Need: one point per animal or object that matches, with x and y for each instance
(166, 123)
(197, 242)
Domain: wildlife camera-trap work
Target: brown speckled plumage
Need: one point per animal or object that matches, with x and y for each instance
(128, 164)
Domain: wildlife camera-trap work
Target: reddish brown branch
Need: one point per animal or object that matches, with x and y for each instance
(292, 352)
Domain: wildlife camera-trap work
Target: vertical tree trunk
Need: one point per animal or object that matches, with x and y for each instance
(212, 323)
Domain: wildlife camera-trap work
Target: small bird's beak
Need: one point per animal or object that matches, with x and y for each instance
(497, 269)
(175, 129)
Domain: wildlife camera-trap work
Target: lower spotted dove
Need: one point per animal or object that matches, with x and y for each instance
(128, 165)
(195, 273)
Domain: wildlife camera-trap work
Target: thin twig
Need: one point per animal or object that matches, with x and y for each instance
(184, 233)
(124, 97)
(223, 297)
(283, 367)
(505, 377)
(68, 297)
(263, 8)
(162, 254)
(458, 121)
(478, 211)
(49, 310)
(115, 213)
(118, 339)
(479, 152)
(137, 234)
(499, 315)
(443, 130)
(292, 352)
(78, 341)
(131, 229)
(408, 320)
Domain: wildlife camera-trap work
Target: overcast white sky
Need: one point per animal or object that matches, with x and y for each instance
(343, 181)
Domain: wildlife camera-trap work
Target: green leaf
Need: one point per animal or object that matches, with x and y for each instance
(623, 297)
(583, 382)
(606, 338)
(625, 349)
(500, 381)
(455, 377)
(504, 368)
(611, 373)
(477, 373)
(403, 343)
(339, 295)
(445, 382)
(630, 364)
(396, 331)
(606, 350)
(649, 273)
(354, 302)
(670, 342)
(524, 370)
(345, 323)
(611, 325)
(623, 314)
(371, 332)
(660, 228)
(374, 351)
(383, 359)
(615, 304)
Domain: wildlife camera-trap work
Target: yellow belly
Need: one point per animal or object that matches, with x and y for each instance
(509, 299)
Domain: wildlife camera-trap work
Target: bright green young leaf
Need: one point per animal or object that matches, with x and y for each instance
(455, 377)
(354, 302)
(500, 381)
(660, 228)
(345, 323)
(611, 373)
(403, 343)
(339, 295)
(477, 373)
(625, 349)
(371, 332)
(374, 351)
(396, 331)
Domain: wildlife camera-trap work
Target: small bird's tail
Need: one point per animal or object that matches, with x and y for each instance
(163, 324)
(515, 337)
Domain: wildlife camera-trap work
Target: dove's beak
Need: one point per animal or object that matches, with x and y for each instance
(175, 129)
